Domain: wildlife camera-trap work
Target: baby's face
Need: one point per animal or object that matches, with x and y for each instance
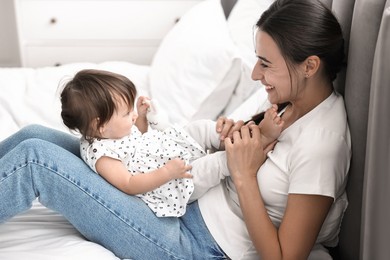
(120, 123)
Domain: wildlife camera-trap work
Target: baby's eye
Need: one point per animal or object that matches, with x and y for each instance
(130, 111)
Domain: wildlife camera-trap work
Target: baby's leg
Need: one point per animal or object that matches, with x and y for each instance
(204, 133)
(208, 171)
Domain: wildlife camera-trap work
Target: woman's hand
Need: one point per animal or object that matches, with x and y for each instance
(246, 154)
(225, 127)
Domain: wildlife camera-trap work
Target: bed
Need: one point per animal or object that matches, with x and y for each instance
(198, 71)
(202, 70)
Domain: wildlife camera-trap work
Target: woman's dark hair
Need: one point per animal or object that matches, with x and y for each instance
(301, 28)
(94, 94)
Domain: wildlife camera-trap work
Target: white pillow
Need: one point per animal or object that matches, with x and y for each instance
(256, 103)
(241, 22)
(196, 67)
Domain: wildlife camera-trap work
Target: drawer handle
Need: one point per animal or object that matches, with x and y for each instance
(177, 19)
(53, 20)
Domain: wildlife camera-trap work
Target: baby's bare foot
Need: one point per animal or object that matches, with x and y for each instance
(272, 124)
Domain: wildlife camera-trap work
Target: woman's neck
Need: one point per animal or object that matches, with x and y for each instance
(311, 98)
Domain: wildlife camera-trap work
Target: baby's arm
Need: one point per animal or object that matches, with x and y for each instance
(142, 109)
(116, 173)
(271, 126)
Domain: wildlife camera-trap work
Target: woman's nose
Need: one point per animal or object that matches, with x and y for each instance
(257, 72)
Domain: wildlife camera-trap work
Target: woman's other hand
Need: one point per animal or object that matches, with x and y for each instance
(246, 154)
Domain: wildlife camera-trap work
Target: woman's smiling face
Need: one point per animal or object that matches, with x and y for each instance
(271, 69)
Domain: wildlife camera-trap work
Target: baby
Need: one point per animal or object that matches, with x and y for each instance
(153, 164)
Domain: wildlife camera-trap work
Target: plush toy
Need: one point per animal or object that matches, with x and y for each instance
(157, 118)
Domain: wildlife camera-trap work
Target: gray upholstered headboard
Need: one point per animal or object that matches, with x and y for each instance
(365, 85)
(365, 231)
(227, 6)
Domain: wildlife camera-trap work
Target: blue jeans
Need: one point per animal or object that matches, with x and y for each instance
(42, 162)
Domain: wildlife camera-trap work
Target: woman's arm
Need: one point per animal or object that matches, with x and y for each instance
(116, 173)
(304, 214)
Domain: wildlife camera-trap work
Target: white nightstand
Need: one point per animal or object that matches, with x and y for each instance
(55, 32)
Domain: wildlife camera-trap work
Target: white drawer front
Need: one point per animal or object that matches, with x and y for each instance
(38, 56)
(98, 19)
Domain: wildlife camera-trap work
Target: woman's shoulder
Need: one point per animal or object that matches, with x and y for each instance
(329, 116)
(324, 127)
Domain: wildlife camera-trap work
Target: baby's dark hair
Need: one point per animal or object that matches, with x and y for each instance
(90, 98)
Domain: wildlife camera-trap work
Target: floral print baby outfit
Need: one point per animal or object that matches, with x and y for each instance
(142, 153)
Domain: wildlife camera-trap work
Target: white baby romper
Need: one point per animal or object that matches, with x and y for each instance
(142, 153)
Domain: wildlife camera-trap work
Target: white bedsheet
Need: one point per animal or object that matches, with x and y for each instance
(42, 234)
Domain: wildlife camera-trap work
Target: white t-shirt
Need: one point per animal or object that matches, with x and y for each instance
(311, 157)
(143, 153)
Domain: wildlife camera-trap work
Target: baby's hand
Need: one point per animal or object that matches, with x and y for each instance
(178, 169)
(143, 104)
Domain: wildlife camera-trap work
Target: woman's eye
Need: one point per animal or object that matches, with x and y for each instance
(263, 65)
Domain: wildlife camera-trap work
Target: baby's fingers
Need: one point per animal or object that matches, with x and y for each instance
(187, 175)
(188, 167)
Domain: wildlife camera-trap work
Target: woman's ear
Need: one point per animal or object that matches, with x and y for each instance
(311, 65)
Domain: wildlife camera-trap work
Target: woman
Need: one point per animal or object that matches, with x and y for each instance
(276, 205)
